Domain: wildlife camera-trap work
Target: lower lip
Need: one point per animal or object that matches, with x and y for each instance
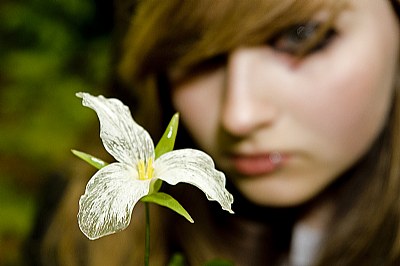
(259, 164)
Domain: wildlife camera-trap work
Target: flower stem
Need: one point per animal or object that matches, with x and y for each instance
(147, 236)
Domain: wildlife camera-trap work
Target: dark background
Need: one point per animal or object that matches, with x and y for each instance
(49, 50)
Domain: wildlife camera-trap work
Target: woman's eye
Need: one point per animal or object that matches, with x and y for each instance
(206, 66)
(203, 67)
(300, 38)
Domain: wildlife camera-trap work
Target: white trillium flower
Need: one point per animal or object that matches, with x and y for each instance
(111, 194)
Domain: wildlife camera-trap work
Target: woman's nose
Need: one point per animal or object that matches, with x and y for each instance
(247, 104)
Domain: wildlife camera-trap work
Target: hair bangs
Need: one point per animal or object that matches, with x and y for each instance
(181, 34)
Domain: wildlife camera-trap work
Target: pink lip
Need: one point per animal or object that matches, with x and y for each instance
(258, 164)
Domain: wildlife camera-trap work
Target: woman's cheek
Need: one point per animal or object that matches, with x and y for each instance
(198, 102)
(345, 108)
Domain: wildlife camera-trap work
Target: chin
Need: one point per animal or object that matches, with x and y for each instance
(272, 195)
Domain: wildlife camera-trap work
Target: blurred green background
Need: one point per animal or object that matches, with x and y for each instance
(49, 50)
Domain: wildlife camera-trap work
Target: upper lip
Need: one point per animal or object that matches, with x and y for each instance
(270, 155)
(249, 154)
(254, 153)
(253, 149)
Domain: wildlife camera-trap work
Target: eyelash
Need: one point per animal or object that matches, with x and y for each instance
(296, 39)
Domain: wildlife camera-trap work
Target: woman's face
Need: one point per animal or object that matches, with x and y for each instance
(282, 128)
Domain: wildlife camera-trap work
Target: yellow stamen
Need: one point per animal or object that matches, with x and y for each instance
(150, 168)
(141, 170)
(145, 172)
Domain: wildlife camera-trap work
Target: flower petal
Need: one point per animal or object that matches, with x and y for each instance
(106, 207)
(196, 168)
(122, 137)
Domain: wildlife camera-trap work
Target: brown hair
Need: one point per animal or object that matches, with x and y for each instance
(366, 228)
(182, 34)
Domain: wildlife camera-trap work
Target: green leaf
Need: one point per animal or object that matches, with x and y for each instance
(167, 141)
(90, 159)
(168, 201)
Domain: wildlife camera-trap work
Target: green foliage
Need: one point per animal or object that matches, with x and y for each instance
(93, 161)
(168, 201)
(48, 53)
(16, 212)
(49, 50)
(167, 140)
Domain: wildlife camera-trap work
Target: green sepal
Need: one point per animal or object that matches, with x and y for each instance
(96, 162)
(168, 201)
(167, 141)
(155, 186)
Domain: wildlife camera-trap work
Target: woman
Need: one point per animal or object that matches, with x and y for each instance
(297, 102)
